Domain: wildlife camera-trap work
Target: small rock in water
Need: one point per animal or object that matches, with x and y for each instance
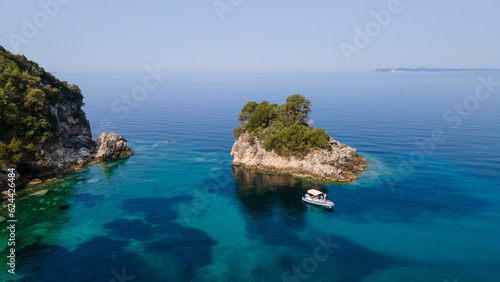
(39, 232)
(111, 146)
(5, 194)
(51, 180)
(40, 193)
(35, 181)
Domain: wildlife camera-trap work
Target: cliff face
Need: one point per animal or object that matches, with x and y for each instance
(337, 163)
(75, 149)
(75, 146)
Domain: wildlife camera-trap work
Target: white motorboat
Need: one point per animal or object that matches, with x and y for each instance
(317, 198)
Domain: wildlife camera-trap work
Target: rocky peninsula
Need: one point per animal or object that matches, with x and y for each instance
(44, 131)
(286, 143)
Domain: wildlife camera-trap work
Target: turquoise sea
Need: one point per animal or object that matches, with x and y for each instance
(427, 209)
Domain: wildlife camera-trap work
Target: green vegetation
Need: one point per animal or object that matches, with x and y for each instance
(283, 128)
(26, 94)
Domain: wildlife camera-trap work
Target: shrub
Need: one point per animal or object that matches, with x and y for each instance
(26, 94)
(283, 128)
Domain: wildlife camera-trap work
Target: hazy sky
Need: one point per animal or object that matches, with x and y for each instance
(252, 35)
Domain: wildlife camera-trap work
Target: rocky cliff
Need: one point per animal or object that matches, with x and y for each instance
(337, 163)
(75, 145)
(43, 129)
(73, 149)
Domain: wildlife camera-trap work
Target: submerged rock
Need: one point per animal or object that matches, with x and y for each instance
(34, 182)
(337, 163)
(40, 193)
(64, 207)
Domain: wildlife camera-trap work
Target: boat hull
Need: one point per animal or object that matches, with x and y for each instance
(327, 205)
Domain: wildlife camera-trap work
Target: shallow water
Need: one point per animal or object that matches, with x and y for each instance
(179, 211)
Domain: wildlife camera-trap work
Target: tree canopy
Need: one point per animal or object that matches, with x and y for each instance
(282, 128)
(26, 94)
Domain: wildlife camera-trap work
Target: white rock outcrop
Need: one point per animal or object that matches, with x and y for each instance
(111, 146)
(337, 163)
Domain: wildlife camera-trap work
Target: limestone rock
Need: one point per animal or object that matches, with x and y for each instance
(40, 193)
(337, 163)
(68, 153)
(111, 146)
(34, 182)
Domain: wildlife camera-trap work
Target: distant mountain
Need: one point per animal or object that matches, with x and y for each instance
(429, 70)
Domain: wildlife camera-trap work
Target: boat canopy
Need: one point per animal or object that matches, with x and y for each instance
(314, 192)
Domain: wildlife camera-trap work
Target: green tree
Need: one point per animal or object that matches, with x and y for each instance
(296, 109)
(26, 94)
(260, 118)
(283, 128)
(246, 112)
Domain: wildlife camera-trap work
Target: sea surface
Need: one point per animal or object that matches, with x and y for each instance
(427, 209)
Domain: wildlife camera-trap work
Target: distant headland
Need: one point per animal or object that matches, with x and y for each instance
(430, 70)
(280, 138)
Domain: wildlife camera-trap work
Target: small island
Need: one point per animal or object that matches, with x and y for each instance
(280, 138)
(43, 129)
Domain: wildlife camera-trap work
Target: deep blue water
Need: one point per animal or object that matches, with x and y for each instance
(179, 211)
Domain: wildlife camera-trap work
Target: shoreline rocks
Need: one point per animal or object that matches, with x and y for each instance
(56, 159)
(337, 163)
(111, 146)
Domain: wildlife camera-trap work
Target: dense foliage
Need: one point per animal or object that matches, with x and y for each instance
(26, 94)
(283, 128)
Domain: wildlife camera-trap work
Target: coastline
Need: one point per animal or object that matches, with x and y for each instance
(107, 147)
(338, 163)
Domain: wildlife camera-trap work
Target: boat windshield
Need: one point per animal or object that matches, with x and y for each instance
(314, 192)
